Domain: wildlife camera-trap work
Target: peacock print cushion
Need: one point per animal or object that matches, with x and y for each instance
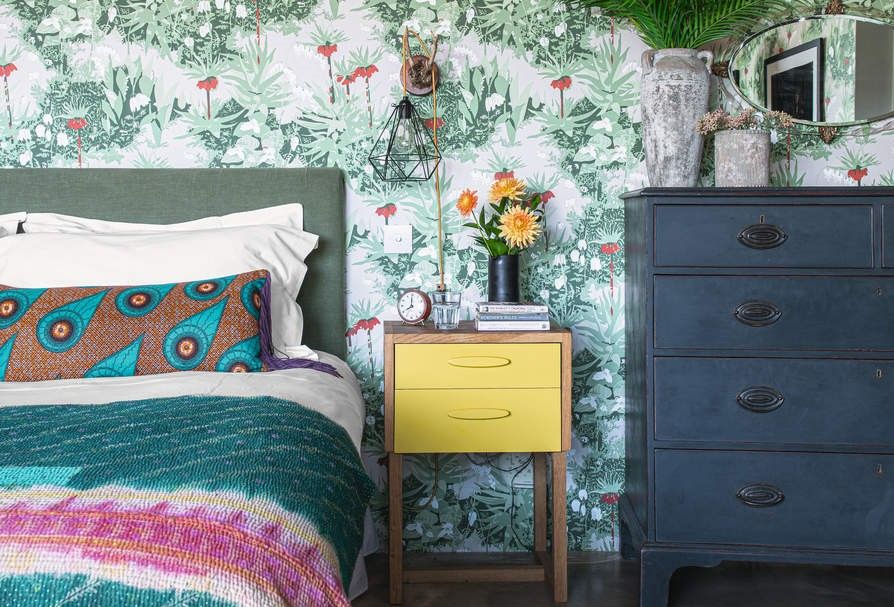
(70, 332)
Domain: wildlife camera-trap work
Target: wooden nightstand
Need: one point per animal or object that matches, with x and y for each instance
(466, 391)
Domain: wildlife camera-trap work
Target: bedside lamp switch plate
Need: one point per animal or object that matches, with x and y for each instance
(398, 239)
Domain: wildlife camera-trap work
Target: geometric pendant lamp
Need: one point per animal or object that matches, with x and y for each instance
(405, 150)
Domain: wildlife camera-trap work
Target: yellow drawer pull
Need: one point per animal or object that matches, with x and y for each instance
(479, 414)
(479, 362)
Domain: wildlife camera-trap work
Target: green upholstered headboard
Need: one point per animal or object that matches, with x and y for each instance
(173, 195)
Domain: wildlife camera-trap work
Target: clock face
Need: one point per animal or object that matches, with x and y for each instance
(413, 306)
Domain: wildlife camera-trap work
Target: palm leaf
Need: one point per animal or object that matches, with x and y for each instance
(686, 23)
(727, 19)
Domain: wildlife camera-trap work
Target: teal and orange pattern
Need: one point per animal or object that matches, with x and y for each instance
(200, 501)
(68, 332)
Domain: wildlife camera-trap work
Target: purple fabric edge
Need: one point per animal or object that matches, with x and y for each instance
(271, 361)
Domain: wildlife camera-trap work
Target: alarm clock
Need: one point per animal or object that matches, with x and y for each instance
(413, 306)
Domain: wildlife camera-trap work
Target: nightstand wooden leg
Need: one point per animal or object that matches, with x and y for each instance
(395, 529)
(540, 513)
(560, 529)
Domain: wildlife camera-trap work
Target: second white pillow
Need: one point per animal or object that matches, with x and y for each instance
(289, 215)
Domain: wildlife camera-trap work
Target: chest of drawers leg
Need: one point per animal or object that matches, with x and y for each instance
(465, 392)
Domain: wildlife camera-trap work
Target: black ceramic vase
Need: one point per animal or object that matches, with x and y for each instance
(502, 278)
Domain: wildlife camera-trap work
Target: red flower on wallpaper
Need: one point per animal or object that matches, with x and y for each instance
(368, 324)
(858, 174)
(503, 175)
(208, 84)
(327, 50)
(560, 84)
(5, 72)
(76, 124)
(610, 248)
(546, 196)
(610, 499)
(347, 80)
(366, 72)
(365, 324)
(386, 211)
(430, 122)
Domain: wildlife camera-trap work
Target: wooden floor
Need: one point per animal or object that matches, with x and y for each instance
(613, 582)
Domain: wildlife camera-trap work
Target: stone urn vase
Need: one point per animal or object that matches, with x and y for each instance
(742, 158)
(674, 96)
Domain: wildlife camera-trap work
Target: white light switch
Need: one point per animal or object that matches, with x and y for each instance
(398, 239)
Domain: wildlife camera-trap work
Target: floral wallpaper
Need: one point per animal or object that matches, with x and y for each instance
(528, 87)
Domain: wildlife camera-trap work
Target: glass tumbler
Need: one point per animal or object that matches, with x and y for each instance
(445, 309)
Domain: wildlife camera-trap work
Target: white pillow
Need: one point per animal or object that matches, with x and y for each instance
(10, 221)
(58, 260)
(291, 215)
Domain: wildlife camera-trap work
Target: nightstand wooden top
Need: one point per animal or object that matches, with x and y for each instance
(466, 333)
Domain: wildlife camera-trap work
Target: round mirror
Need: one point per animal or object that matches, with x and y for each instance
(834, 70)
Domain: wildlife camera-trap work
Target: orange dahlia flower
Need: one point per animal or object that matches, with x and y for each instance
(519, 227)
(467, 202)
(508, 187)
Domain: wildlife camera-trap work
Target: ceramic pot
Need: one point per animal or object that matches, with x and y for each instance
(675, 87)
(502, 278)
(742, 158)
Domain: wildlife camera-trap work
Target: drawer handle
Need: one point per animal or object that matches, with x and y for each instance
(757, 313)
(760, 495)
(760, 399)
(762, 236)
(479, 362)
(479, 414)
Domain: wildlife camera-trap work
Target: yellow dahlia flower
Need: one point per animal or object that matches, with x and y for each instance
(467, 202)
(519, 227)
(508, 187)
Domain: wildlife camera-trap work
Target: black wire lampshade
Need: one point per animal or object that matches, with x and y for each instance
(406, 150)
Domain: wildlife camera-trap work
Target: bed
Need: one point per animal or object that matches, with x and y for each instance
(191, 488)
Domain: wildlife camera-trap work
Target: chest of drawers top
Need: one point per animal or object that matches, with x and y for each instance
(777, 230)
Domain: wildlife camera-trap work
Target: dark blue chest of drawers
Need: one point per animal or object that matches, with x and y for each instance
(760, 378)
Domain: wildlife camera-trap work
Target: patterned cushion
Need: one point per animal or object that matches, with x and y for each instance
(68, 332)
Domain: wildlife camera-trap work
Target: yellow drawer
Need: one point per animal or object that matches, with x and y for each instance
(421, 366)
(462, 421)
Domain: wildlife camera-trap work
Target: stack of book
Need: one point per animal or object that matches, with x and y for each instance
(511, 317)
